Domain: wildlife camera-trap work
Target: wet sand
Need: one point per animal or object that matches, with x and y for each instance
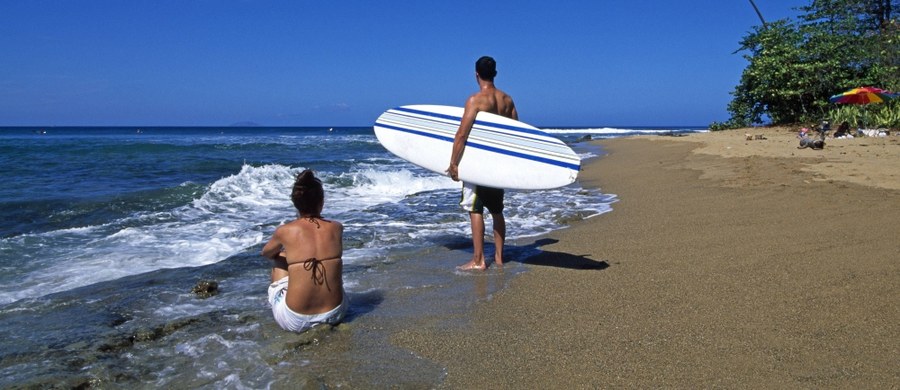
(726, 263)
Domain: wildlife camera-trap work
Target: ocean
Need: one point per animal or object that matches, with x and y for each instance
(105, 231)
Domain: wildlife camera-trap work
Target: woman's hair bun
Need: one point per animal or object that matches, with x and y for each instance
(307, 193)
(307, 178)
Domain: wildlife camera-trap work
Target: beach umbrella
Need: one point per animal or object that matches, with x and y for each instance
(863, 95)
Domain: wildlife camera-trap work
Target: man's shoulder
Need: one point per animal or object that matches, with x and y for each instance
(478, 97)
(482, 101)
(475, 102)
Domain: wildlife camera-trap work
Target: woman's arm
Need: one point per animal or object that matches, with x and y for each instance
(273, 248)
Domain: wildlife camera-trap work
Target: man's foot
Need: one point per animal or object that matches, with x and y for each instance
(472, 265)
(498, 263)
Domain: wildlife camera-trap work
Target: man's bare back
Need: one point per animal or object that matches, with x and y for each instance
(490, 99)
(487, 99)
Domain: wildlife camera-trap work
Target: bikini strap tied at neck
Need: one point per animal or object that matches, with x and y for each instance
(314, 219)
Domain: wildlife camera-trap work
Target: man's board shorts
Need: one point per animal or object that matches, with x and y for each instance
(475, 198)
(295, 322)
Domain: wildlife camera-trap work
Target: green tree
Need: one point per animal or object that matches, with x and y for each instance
(769, 85)
(794, 67)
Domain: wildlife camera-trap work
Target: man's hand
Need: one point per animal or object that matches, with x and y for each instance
(453, 171)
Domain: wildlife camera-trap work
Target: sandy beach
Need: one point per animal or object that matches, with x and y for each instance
(725, 263)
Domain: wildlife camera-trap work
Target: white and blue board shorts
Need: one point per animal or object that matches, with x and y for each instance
(476, 198)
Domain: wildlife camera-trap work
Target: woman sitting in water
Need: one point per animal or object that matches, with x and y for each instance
(307, 287)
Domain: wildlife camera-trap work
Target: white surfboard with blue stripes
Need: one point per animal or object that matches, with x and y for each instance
(500, 152)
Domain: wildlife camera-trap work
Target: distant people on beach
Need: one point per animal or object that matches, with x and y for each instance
(825, 127)
(307, 284)
(817, 142)
(843, 131)
(476, 198)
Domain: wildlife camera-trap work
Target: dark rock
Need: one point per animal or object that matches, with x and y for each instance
(206, 288)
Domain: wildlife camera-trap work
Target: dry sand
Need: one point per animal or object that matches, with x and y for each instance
(726, 263)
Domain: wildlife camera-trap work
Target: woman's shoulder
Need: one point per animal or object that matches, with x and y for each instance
(305, 224)
(335, 224)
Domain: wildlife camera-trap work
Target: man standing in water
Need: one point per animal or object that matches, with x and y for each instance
(476, 198)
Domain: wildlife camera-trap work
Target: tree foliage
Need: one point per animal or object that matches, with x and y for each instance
(796, 65)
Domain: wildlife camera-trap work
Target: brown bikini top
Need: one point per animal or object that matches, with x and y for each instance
(317, 268)
(315, 265)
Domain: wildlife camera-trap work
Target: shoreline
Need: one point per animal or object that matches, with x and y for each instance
(774, 268)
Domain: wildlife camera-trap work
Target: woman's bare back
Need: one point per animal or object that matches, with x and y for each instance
(311, 249)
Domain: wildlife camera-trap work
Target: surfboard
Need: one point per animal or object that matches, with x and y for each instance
(500, 152)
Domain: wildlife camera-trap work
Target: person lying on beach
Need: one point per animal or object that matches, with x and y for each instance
(307, 284)
(809, 142)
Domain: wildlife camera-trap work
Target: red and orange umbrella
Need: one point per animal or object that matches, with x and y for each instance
(863, 95)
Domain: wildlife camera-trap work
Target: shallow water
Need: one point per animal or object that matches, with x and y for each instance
(103, 233)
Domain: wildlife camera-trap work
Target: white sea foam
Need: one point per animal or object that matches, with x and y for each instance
(383, 209)
(373, 186)
(226, 220)
(213, 354)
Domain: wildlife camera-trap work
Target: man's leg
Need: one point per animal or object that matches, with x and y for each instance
(499, 237)
(477, 261)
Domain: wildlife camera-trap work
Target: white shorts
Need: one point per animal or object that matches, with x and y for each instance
(475, 198)
(295, 322)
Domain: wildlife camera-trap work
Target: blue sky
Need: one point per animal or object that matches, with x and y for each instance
(341, 63)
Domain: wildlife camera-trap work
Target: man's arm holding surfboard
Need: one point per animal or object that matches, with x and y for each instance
(459, 142)
(465, 127)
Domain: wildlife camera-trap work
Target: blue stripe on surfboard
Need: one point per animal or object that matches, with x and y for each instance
(546, 140)
(480, 134)
(540, 159)
(483, 123)
(535, 146)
